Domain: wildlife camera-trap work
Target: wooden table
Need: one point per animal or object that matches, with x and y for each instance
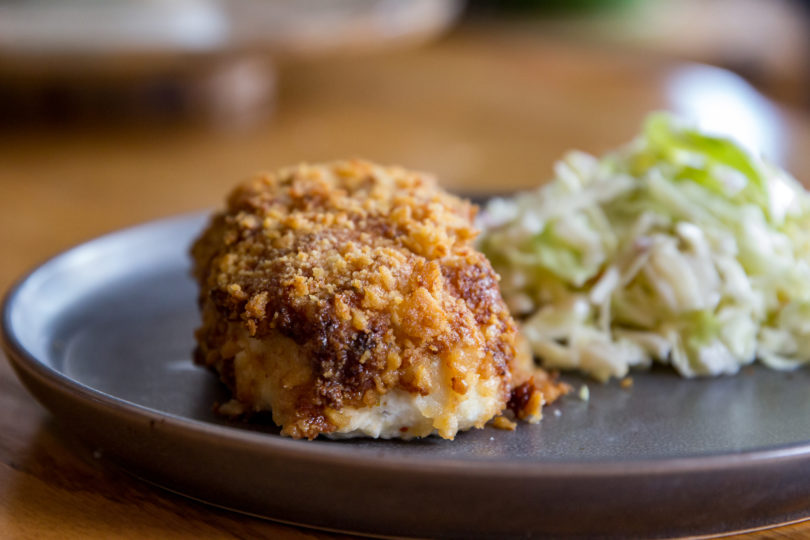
(483, 108)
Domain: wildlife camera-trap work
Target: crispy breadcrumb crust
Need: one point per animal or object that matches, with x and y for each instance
(371, 272)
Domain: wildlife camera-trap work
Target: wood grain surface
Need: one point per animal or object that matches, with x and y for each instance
(485, 109)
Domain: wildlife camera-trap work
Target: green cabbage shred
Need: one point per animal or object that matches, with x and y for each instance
(681, 248)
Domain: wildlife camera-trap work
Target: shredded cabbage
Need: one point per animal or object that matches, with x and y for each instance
(680, 248)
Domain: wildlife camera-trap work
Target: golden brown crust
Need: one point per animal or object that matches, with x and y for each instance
(369, 270)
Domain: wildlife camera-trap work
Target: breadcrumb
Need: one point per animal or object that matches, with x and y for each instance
(502, 422)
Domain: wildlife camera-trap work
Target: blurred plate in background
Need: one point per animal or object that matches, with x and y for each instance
(91, 28)
(191, 59)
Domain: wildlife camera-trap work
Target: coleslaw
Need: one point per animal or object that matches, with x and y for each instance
(680, 248)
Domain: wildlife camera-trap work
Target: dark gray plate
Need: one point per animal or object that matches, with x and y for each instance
(102, 336)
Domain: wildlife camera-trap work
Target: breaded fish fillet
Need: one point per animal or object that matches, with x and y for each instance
(347, 298)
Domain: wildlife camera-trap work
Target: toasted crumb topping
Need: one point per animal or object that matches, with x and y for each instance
(371, 271)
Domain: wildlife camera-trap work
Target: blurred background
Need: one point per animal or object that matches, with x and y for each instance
(116, 112)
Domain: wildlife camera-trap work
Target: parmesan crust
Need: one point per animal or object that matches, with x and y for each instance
(347, 298)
